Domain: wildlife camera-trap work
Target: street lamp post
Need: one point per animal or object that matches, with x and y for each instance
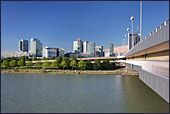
(125, 39)
(128, 37)
(132, 18)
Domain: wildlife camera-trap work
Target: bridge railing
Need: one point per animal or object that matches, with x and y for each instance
(150, 34)
(157, 29)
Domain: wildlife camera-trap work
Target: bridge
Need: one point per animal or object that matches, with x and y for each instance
(151, 58)
(97, 58)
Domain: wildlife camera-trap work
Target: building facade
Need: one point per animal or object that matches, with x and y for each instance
(50, 52)
(36, 48)
(91, 48)
(75, 46)
(85, 47)
(111, 49)
(61, 52)
(78, 46)
(13, 54)
(23, 45)
(106, 52)
(99, 51)
(133, 40)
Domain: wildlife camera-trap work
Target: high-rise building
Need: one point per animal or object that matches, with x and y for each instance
(91, 48)
(78, 46)
(85, 47)
(49, 52)
(99, 51)
(106, 52)
(36, 48)
(23, 45)
(75, 46)
(60, 52)
(111, 49)
(133, 40)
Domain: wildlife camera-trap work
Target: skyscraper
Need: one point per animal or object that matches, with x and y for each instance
(99, 51)
(111, 49)
(136, 39)
(78, 46)
(91, 48)
(85, 47)
(36, 48)
(75, 46)
(23, 45)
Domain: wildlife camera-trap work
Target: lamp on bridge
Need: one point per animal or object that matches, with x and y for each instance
(132, 18)
(128, 36)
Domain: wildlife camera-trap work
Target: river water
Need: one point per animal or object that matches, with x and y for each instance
(69, 93)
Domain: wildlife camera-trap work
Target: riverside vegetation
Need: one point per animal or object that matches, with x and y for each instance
(25, 64)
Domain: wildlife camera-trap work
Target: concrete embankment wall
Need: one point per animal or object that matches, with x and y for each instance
(156, 82)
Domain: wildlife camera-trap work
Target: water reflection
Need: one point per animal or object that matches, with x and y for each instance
(52, 93)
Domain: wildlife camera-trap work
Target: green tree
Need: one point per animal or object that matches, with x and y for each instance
(46, 64)
(63, 64)
(13, 58)
(34, 59)
(6, 63)
(2, 60)
(55, 65)
(82, 64)
(8, 59)
(73, 64)
(105, 64)
(65, 59)
(2, 65)
(89, 65)
(58, 60)
(28, 59)
(21, 62)
(52, 58)
(112, 66)
(24, 58)
(44, 58)
(38, 64)
(13, 63)
(29, 63)
(97, 65)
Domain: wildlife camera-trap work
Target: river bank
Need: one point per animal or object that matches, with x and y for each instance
(121, 71)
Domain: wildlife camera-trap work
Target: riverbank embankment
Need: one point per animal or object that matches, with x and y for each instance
(122, 71)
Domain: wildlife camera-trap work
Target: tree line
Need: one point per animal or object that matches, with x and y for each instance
(59, 63)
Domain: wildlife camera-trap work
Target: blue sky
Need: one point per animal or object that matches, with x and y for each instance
(59, 23)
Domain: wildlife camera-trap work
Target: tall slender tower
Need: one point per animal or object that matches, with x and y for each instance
(111, 49)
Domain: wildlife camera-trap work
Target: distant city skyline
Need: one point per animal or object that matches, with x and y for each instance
(59, 23)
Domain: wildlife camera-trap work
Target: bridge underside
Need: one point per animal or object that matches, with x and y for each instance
(158, 52)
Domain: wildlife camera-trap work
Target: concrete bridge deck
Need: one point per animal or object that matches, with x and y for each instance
(151, 58)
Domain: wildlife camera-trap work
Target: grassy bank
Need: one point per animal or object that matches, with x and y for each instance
(120, 71)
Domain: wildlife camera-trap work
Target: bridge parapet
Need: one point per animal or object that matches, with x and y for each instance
(156, 37)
